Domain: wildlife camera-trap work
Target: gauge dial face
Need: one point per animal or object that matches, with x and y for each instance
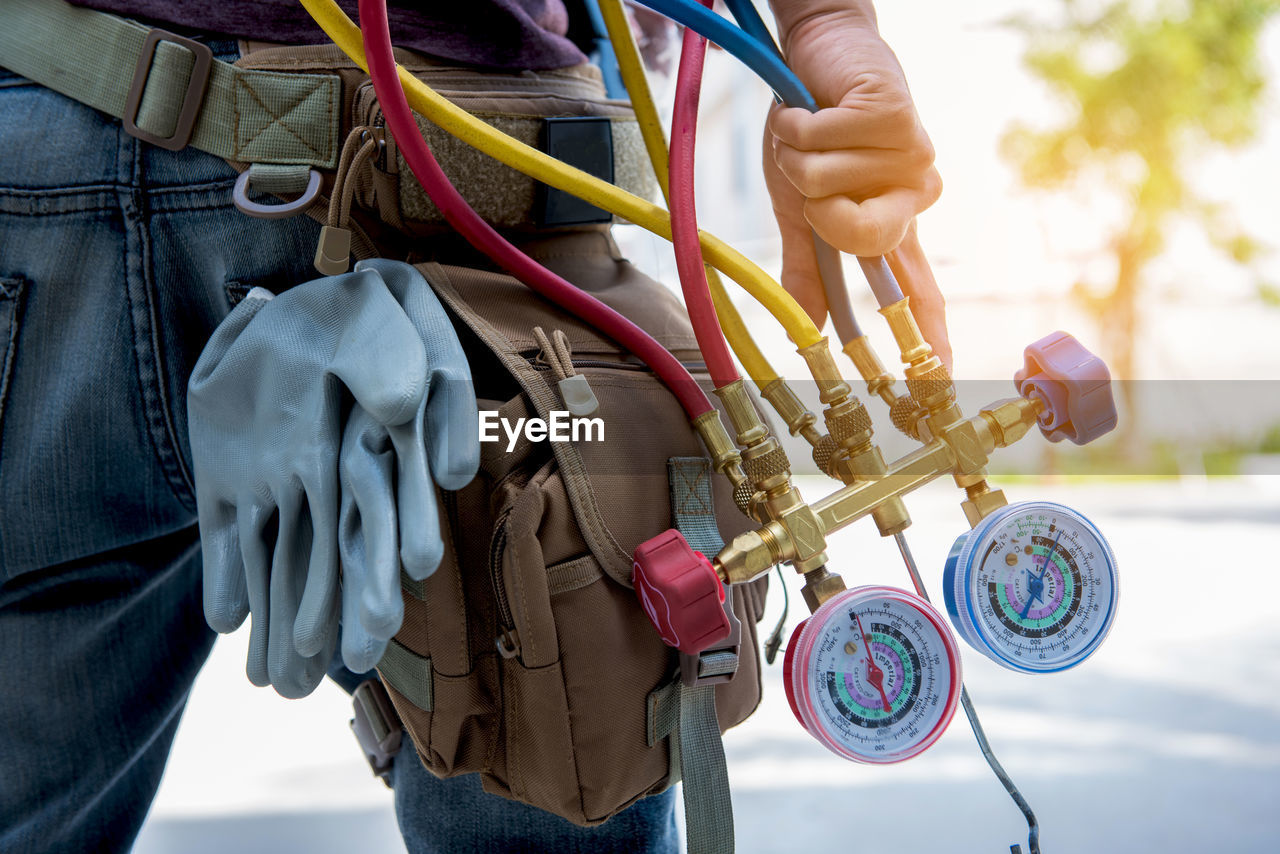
(874, 674)
(1033, 587)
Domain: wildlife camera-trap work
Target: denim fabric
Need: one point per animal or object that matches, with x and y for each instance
(117, 260)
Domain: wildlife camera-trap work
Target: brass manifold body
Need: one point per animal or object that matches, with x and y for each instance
(795, 532)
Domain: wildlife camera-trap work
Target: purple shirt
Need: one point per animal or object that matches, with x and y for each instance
(508, 34)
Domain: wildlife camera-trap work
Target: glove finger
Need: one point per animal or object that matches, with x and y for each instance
(223, 337)
(452, 440)
(361, 651)
(451, 435)
(381, 358)
(420, 544)
(287, 668)
(318, 608)
(252, 523)
(368, 539)
(226, 600)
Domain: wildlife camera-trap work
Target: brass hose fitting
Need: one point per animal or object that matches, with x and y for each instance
(784, 401)
(724, 455)
(819, 586)
(831, 386)
(915, 351)
(823, 454)
(980, 499)
(905, 414)
(879, 381)
(743, 417)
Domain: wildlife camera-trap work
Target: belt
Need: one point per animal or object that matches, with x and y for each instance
(283, 113)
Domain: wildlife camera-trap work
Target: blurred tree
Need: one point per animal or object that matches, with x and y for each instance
(1150, 86)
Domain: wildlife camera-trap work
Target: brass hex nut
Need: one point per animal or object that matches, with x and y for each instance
(980, 507)
(820, 590)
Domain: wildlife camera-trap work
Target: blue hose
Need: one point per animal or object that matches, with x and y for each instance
(764, 61)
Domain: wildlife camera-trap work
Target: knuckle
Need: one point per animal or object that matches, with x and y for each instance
(932, 187)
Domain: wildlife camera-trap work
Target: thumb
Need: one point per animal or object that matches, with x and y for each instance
(800, 274)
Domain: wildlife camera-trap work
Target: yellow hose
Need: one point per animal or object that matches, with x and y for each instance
(458, 122)
(633, 77)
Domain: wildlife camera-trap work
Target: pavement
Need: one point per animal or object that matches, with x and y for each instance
(1167, 739)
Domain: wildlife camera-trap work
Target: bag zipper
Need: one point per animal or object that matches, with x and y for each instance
(692, 367)
(508, 640)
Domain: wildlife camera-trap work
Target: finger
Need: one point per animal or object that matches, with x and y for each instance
(856, 172)
(421, 546)
(911, 268)
(368, 534)
(875, 225)
(318, 609)
(871, 123)
(288, 670)
(255, 532)
(800, 274)
(226, 600)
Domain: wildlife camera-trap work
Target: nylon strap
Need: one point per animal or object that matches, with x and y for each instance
(692, 508)
(248, 116)
(689, 714)
(407, 672)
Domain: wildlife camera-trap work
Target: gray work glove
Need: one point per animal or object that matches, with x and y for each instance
(264, 407)
(389, 516)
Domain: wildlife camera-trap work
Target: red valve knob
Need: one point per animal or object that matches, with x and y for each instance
(1074, 385)
(681, 593)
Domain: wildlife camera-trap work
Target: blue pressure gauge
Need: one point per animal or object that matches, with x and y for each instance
(1033, 587)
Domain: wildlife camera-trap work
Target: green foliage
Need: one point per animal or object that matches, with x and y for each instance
(1157, 87)
(1145, 93)
(1148, 87)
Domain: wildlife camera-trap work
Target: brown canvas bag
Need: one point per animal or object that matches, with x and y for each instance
(526, 657)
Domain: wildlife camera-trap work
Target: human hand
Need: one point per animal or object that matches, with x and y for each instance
(859, 170)
(265, 402)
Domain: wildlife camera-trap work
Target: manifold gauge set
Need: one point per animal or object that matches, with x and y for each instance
(874, 673)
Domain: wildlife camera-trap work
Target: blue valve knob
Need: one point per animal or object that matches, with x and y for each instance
(1074, 386)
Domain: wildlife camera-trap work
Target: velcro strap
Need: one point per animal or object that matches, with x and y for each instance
(407, 672)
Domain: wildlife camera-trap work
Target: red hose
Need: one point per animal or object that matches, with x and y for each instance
(684, 217)
(376, 34)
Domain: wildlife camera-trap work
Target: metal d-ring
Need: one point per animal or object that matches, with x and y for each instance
(240, 195)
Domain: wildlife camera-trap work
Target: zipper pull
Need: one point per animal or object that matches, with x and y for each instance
(575, 391)
(508, 643)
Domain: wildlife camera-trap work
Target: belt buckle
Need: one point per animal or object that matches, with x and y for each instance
(376, 726)
(694, 669)
(201, 68)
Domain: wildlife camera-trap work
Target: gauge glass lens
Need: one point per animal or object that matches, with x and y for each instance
(874, 675)
(1034, 587)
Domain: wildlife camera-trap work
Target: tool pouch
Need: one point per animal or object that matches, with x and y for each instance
(526, 657)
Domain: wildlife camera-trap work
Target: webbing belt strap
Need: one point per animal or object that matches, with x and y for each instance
(688, 713)
(152, 80)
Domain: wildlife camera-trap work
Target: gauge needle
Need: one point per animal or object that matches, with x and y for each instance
(1035, 584)
(874, 674)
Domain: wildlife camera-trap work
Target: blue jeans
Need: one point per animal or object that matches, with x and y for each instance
(117, 260)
